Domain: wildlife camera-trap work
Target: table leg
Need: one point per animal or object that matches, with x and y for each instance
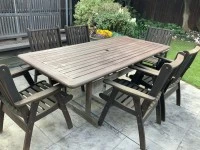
(87, 113)
(88, 98)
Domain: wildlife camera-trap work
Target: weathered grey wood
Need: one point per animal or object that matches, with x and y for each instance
(18, 15)
(110, 100)
(147, 74)
(79, 64)
(139, 101)
(82, 113)
(30, 125)
(25, 73)
(17, 120)
(31, 104)
(77, 34)
(18, 46)
(158, 35)
(140, 124)
(88, 98)
(44, 39)
(62, 106)
(1, 116)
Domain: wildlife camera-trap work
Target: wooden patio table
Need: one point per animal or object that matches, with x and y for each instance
(81, 64)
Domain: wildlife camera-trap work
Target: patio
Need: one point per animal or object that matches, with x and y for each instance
(180, 130)
(90, 47)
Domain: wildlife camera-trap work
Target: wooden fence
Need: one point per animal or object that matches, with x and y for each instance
(168, 10)
(18, 15)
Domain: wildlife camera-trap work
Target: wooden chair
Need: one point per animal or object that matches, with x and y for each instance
(139, 101)
(146, 76)
(158, 35)
(42, 40)
(31, 104)
(77, 35)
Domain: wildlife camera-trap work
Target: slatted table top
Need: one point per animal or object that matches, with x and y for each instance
(82, 63)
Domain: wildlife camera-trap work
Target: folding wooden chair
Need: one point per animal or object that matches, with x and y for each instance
(42, 40)
(77, 35)
(146, 76)
(137, 100)
(31, 104)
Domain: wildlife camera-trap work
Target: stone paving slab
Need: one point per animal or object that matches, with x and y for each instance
(180, 131)
(88, 137)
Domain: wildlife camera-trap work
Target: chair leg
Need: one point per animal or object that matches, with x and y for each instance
(82, 88)
(1, 117)
(107, 106)
(28, 136)
(140, 125)
(28, 78)
(64, 110)
(162, 103)
(178, 95)
(104, 112)
(36, 75)
(158, 113)
(67, 117)
(30, 125)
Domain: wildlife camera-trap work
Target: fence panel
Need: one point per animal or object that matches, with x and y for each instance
(168, 11)
(18, 15)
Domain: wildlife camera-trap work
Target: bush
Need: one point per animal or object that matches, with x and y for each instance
(143, 24)
(85, 10)
(106, 15)
(113, 16)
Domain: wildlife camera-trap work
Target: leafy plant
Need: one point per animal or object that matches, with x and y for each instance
(143, 24)
(113, 16)
(105, 14)
(85, 10)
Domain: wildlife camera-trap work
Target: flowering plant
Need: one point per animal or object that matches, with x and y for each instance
(104, 33)
(197, 40)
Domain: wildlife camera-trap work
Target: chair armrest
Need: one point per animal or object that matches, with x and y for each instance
(20, 72)
(163, 59)
(39, 96)
(129, 91)
(146, 70)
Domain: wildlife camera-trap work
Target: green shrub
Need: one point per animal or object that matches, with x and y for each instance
(113, 16)
(105, 14)
(85, 10)
(143, 24)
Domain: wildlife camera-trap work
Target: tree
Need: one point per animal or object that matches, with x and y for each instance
(186, 15)
(198, 24)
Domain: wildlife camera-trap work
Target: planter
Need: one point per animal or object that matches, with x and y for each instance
(95, 37)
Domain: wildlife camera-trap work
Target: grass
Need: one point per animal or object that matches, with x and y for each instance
(192, 76)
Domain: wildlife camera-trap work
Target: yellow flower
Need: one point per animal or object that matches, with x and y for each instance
(105, 33)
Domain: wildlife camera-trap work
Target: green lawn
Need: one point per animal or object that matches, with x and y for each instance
(192, 76)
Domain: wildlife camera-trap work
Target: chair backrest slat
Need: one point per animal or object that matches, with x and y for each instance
(7, 86)
(44, 39)
(163, 80)
(10, 93)
(77, 34)
(166, 75)
(159, 35)
(189, 58)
